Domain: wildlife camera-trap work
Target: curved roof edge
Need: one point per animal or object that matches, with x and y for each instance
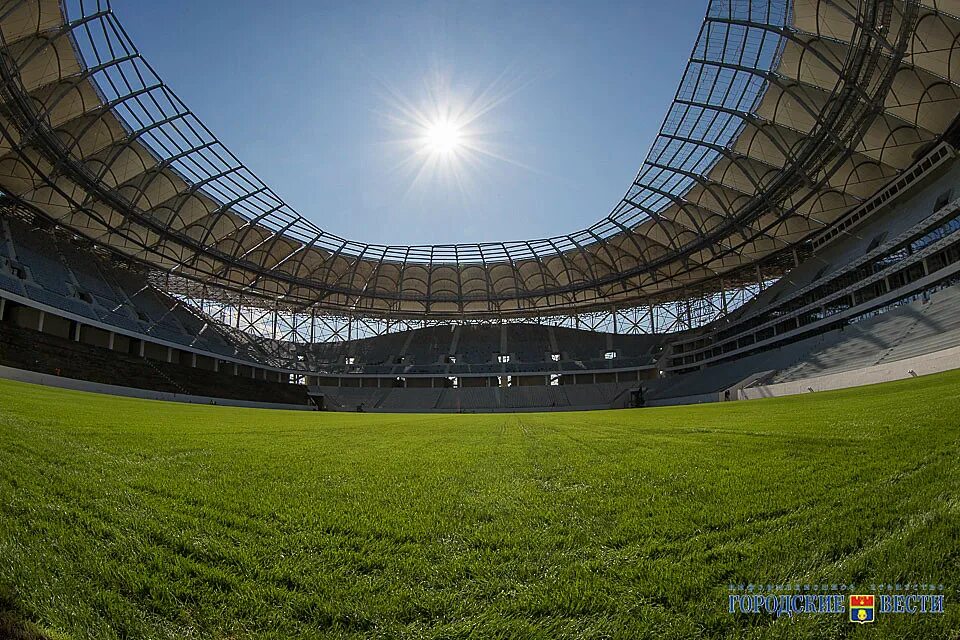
(788, 115)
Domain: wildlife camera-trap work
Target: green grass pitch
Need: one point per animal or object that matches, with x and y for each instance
(138, 519)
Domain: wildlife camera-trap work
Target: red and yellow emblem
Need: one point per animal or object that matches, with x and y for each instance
(861, 609)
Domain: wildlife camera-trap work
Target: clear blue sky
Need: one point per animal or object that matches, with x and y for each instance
(306, 94)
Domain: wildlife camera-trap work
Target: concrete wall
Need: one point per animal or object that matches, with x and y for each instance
(936, 362)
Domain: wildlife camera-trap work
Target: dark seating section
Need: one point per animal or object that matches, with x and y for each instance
(529, 343)
(577, 344)
(479, 344)
(35, 351)
(908, 217)
(540, 365)
(383, 352)
(476, 348)
(476, 399)
(323, 353)
(51, 269)
(43, 267)
(429, 345)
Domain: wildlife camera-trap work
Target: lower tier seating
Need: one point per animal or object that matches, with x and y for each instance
(475, 399)
(921, 327)
(35, 351)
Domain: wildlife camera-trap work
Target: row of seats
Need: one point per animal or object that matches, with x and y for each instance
(459, 349)
(921, 327)
(913, 329)
(48, 268)
(36, 351)
(473, 399)
(924, 326)
(907, 217)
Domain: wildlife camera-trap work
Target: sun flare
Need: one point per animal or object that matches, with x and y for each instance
(443, 137)
(448, 137)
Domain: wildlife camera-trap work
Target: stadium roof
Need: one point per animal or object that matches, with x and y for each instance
(788, 115)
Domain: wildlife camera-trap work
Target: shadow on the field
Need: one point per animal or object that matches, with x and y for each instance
(12, 624)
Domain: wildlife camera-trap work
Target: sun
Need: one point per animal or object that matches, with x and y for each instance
(448, 138)
(443, 137)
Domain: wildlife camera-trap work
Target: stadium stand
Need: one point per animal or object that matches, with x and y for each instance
(410, 400)
(529, 343)
(46, 353)
(480, 344)
(427, 346)
(51, 272)
(923, 326)
(788, 230)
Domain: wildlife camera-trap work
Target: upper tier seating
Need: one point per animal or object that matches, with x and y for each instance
(529, 343)
(475, 350)
(479, 344)
(429, 345)
(52, 270)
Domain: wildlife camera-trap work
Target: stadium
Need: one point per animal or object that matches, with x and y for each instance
(741, 379)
